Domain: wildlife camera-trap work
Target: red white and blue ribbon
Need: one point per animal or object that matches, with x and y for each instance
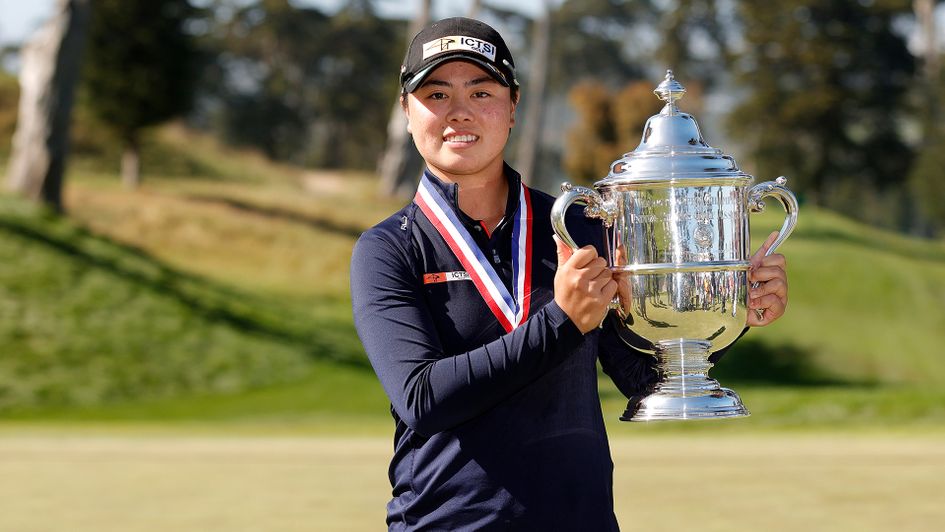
(510, 309)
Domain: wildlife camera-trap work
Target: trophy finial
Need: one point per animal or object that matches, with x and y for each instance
(670, 91)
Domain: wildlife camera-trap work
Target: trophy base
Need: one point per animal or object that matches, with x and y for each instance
(665, 406)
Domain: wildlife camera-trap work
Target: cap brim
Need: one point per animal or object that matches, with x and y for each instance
(413, 83)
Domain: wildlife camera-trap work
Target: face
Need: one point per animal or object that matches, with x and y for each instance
(460, 119)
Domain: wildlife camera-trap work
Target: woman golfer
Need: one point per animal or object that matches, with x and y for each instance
(482, 329)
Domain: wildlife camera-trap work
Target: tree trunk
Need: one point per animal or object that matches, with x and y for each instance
(131, 164)
(474, 7)
(50, 69)
(400, 165)
(921, 222)
(925, 16)
(530, 139)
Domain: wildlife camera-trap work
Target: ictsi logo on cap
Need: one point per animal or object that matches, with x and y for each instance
(455, 43)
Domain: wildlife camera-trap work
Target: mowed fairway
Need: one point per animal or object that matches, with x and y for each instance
(663, 482)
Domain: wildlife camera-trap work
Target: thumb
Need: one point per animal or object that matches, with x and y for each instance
(564, 251)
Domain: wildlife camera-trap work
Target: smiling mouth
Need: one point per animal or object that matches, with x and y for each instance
(461, 138)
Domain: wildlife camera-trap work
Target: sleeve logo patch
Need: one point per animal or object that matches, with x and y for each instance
(445, 277)
(459, 42)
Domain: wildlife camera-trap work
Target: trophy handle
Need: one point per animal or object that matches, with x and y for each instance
(776, 188)
(595, 208)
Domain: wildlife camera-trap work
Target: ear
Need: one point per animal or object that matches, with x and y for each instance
(512, 119)
(406, 110)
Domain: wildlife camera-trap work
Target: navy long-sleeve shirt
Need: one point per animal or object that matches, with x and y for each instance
(494, 430)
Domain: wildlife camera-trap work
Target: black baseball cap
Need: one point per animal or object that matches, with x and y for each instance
(452, 39)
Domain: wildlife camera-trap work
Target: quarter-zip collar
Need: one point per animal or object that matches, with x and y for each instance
(450, 191)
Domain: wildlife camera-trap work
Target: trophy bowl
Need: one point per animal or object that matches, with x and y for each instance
(675, 215)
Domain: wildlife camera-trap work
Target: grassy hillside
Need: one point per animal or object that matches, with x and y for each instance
(219, 291)
(87, 320)
(187, 286)
(866, 306)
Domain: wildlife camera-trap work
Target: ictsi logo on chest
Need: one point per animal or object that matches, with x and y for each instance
(445, 277)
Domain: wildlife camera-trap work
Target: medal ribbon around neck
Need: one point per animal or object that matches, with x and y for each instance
(510, 309)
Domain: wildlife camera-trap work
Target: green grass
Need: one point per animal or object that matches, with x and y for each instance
(865, 305)
(87, 321)
(218, 293)
(147, 482)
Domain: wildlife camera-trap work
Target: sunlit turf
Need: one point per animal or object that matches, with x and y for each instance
(218, 292)
(665, 482)
(338, 400)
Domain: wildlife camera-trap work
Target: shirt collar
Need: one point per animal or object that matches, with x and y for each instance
(450, 191)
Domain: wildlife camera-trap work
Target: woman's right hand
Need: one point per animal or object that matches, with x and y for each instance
(584, 286)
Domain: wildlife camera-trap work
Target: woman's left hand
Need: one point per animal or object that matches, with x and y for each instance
(767, 302)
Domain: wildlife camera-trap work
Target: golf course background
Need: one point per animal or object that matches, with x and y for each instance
(182, 357)
(226, 278)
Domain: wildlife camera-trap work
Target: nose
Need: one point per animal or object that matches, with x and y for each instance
(459, 111)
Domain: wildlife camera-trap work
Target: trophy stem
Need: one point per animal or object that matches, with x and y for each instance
(684, 365)
(685, 390)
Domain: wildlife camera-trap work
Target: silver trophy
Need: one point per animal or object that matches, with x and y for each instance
(675, 215)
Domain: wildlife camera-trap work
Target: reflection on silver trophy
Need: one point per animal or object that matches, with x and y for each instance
(675, 215)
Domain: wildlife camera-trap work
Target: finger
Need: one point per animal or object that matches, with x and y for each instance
(775, 259)
(760, 254)
(609, 290)
(757, 319)
(601, 275)
(775, 286)
(769, 303)
(763, 301)
(623, 283)
(763, 274)
(564, 251)
(583, 257)
(767, 314)
(624, 290)
(620, 254)
(595, 266)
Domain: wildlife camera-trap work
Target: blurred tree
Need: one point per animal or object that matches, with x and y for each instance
(925, 181)
(601, 39)
(400, 165)
(260, 92)
(608, 126)
(607, 41)
(302, 86)
(636, 103)
(9, 96)
(140, 70)
(928, 35)
(355, 69)
(592, 140)
(826, 82)
(695, 42)
(474, 7)
(50, 67)
(532, 117)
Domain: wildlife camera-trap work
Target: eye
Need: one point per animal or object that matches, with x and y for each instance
(437, 96)
(481, 94)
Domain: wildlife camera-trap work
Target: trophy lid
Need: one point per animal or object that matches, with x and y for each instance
(672, 150)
